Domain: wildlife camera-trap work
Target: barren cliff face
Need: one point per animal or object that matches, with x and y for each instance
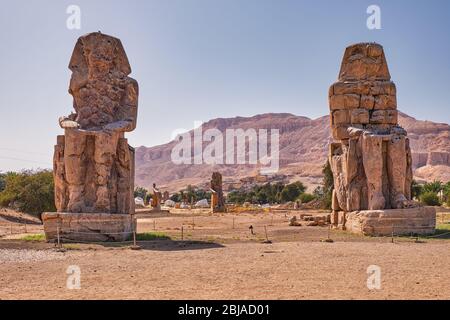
(303, 151)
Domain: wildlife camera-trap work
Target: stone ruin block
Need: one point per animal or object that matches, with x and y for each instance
(217, 197)
(383, 88)
(421, 220)
(344, 101)
(389, 117)
(367, 102)
(385, 101)
(341, 117)
(359, 116)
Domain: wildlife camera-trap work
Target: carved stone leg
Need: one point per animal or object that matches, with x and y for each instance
(75, 169)
(409, 172)
(59, 176)
(353, 175)
(214, 201)
(335, 209)
(396, 165)
(373, 167)
(124, 177)
(104, 155)
(337, 159)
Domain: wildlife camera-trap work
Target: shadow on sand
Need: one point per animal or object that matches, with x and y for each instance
(163, 245)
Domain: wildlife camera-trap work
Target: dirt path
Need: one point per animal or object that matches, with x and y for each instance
(238, 271)
(221, 259)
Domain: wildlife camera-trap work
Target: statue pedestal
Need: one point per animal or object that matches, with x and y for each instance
(420, 221)
(88, 227)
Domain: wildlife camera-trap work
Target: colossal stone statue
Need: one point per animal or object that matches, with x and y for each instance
(371, 162)
(217, 199)
(93, 163)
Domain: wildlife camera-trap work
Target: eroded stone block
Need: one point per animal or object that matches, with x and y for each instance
(383, 102)
(359, 116)
(344, 101)
(419, 220)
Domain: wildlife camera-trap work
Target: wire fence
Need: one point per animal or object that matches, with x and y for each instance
(416, 232)
(132, 237)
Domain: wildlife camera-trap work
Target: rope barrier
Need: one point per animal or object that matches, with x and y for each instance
(438, 235)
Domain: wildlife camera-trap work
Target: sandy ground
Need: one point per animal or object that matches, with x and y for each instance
(216, 261)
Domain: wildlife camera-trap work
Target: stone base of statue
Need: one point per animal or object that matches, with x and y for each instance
(416, 221)
(88, 227)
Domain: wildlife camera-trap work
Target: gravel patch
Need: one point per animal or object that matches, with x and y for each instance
(14, 255)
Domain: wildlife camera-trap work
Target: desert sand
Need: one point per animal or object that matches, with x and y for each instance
(215, 261)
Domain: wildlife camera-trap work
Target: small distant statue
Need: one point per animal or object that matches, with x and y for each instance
(93, 163)
(217, 198)
(156, 198)
(293, 222)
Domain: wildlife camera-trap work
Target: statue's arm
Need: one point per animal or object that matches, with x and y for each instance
(77, 81)
(129, 109)
(68, 122)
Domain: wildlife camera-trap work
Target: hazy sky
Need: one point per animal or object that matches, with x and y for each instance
(201, 59)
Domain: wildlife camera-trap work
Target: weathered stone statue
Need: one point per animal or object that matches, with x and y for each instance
(217, 199)
(93, 163)
(156, 198)
(165, 196)
(371, 162)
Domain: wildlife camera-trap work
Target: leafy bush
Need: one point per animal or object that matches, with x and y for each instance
(430, 198)
(446, 191)
(148, 198)
(267, 193)
(416, 189)
(191, 195)
(140, 192)
(447, 199)
(2, 181)
(435, 187)
(306, 197)
(292, 191)
(29, 191)
(325, 192)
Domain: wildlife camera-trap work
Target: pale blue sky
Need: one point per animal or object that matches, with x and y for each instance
(202, 59)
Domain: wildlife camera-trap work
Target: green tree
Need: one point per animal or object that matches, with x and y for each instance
(306, 197)
(446, 190)
(140, 192)
(237, 197)
(325, 192)
(176, 197)
(148, 198)
(29, 191)
(291, 191)
(191, 194)
(416, 189)
(2, 181)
